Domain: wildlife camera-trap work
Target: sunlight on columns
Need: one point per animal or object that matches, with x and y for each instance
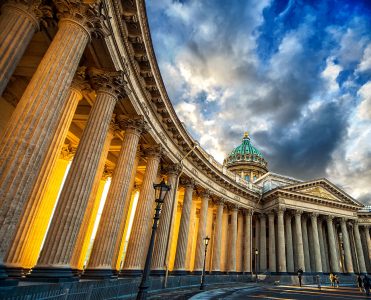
(209, 233)
(40, 227)
(193, 236)
(174, 237)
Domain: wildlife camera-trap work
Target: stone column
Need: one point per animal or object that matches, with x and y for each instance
(143, 219)
(218, 237)
(368, 240)
(239, 252)
(289, 246)
(304, 228)
(104, 255)
(247, 247)
(32, 228)
(201, 234)
(233, 240)
(321, 237)
(19, 21)
(316, 242)
(30, 131)
(272, 243)
(181, 247)
(263, 243)
(68, 217)
(299, 240)
(346, 244)
(360, 255)
(281, 240)
(167, 219)
(332, 245)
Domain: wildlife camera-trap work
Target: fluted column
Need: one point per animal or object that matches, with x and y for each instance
(181, 247)
(332, 245)
(104, 255)
(263, 243)
(281, 240)
(299, 240)
(368, 240)
(317, 247)
(233, 240)
(218, 237)
(32, 228)
(143, 219)
(19, 21)
(272, 242)
(289, 246)
(304, 229)
(63, 232)
(247, 247)
(167, 218)
(346, 244)
(239, 253)
(29, 133)
(358, 242)
(201, 234)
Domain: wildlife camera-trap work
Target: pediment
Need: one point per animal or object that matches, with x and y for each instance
(320, 192)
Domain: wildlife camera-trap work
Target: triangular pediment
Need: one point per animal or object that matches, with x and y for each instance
(320, 192)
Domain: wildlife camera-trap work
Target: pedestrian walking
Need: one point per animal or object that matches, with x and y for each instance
(332, 279)
(300, 274)
(366, 285)
(318, 282)
(337, 281)
(360, 283)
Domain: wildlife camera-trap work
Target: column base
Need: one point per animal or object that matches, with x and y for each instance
(233, 272)
(130, 273)
(100, 274)
(180, 273)
(52, 274)
(198, 272)
(216, 273)
(157, 273)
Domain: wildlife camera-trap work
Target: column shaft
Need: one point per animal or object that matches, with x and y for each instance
(263, 243)
(332, 246)
(304, 228)
(289, 246)
(201, 234)
(316, 242)
(281, 241)
(239, 253)
(360, 255)
(346, 244)
(106, 246)
(272, 243)
(299, 241)
(247, 251)
(140, 232)
(30, 132)
(233, 241)
(181, 247)
(218, 237)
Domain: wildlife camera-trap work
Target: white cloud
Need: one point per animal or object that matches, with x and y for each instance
(365, 107)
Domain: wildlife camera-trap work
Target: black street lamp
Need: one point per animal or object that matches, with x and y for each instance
(256, 264)
(206, 242)
(161, 190)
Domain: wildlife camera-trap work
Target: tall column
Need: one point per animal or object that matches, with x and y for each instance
(239, 253)
(247, 246)
(32, 228)
(104, 255)
(143, 219)
(346, 244)
(233, 240)
(321, 237)
(289, 246)
(29, 133)
(19, 21)
(218, 237)
(304, 228)
(201, 234)
(167, 219)
(358, 242)
(68, 217)
(332, 245)
(181, 247)
(272, 243)
(263, 243)
(368, 241)
(316, 242)
(299, 240)
(281, 240)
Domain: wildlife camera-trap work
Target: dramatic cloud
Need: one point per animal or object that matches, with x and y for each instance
(296, 75)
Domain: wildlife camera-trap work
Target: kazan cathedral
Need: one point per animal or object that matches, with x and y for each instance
(87, 129)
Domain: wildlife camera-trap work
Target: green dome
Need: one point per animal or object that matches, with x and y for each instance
(246, 148)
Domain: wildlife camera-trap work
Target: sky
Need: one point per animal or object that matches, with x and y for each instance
(294, 74)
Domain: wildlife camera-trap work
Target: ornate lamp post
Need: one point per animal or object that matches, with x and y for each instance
(256, 264)
(161, 190)
(202, 286)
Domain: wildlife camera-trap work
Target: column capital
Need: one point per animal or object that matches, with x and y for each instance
(90, 17)
(329, 218)
(188, 182)
(68, 151)
(136, 124)
(153, 151)
(280, 209)
(114, 127)
(298, 212)
(34, 10)
(248, 211)
(233, 207)
(205, 193)
(79, 82)
(112, 83)
(107, 172)
(172, 169)
(271, 213)
(314, 215)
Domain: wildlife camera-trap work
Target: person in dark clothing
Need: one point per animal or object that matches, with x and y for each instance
(360, 283)
(366, 285)
(300, 274)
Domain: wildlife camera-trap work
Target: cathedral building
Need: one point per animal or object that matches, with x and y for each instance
(87, 128)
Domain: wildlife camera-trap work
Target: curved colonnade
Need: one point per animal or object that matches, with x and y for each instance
(98, 76)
